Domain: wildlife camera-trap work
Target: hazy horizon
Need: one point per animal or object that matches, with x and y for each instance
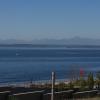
(64, 41)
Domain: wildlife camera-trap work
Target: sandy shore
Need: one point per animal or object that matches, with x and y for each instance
(29, 83)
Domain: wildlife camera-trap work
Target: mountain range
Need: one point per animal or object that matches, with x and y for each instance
(71, 41)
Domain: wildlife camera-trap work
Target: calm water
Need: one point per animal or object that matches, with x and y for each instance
(23, 64)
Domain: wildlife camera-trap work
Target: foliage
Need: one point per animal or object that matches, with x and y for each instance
(71, 85)
(98, 79)
(61, 86)
(12, 98)
(90, 81)
(82, 83)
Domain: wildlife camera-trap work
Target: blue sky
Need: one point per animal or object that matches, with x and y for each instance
(35, 19)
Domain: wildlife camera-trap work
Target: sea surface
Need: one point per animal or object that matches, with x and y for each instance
(33, 64)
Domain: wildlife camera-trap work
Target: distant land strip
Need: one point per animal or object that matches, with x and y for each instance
(49, 45)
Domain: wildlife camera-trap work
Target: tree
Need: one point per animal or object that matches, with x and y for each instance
(98, 79)
(90, 81)
(61, 86)
(82, 83)
(71, 85)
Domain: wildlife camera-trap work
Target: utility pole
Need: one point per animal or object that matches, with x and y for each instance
(53, 84)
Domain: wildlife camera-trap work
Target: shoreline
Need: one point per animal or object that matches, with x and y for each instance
(29, 83)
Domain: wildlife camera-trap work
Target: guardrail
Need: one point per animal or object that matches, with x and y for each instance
(41, 95)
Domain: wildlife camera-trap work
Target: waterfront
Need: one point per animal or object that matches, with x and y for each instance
(29, 64)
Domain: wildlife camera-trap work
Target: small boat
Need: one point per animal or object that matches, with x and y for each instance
(17, 54)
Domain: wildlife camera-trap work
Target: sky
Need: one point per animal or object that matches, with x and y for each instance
(51, 19)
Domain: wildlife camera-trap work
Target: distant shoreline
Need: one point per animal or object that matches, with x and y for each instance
(50, 45)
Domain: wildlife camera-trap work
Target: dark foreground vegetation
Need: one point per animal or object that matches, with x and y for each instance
(22, 93)
(87, 88)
